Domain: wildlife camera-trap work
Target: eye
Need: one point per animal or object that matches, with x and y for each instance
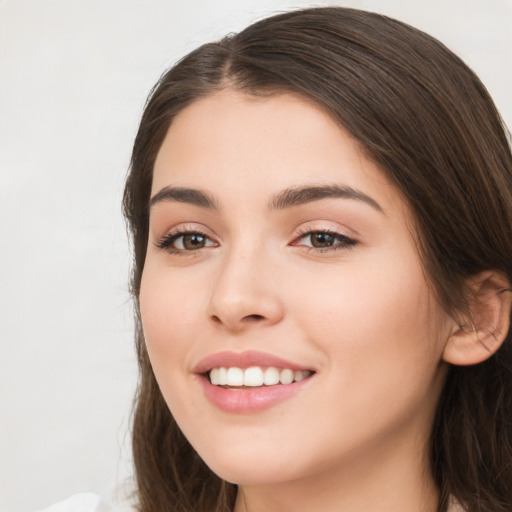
(185, 241)
(324, 240)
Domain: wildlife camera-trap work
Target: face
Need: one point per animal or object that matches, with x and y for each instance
(286, 315)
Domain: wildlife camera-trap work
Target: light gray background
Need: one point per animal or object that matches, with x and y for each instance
(74, 75)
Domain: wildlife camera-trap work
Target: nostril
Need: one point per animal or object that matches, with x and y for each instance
(252, 318)
(245, 320)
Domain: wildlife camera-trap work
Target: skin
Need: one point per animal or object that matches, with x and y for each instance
(361, 315)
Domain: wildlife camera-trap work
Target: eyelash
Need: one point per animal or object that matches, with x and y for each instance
(343, 241)
(167, 241)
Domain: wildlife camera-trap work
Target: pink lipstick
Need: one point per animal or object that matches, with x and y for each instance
(250, 381)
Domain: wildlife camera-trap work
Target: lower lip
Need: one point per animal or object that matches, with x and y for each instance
(247, 400)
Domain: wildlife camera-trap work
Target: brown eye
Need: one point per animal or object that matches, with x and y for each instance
(322, 240)
(192, 241)
(185, 242)
(325, 240)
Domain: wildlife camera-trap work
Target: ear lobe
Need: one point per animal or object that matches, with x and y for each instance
(484, 330)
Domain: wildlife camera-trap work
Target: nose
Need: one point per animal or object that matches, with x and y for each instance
(245, 293)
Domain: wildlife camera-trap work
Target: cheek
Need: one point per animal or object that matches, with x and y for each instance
(380, 338)
(167, 316)
(170, 323)
(374, 321)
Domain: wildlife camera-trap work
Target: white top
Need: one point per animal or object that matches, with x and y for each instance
(85, 502)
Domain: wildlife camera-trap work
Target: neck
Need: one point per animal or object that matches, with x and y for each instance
(388, 481)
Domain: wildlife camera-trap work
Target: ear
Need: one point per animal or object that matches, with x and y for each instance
(485, 328)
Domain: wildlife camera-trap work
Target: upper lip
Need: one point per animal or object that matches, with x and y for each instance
(244, 360)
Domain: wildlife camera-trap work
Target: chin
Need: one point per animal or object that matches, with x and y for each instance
(251, 466)
(250, 474)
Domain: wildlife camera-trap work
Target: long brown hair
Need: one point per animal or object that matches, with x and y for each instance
(424, 117)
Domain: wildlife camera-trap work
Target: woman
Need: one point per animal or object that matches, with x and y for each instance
(321, 213)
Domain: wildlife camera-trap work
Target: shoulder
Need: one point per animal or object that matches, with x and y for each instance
(84, 502)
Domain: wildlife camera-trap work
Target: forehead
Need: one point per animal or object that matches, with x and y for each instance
(250, 145)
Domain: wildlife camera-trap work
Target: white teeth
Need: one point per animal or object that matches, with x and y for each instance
(299, 375)
(223, 376)
(214, 376)
(255, 376)
(271, 376)
(286, 376)
(235, 377)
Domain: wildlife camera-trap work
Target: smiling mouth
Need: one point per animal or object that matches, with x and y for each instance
(255, 376)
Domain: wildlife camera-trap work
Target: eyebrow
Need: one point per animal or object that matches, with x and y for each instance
(302, 195)
(184, 195)
(287, 198)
